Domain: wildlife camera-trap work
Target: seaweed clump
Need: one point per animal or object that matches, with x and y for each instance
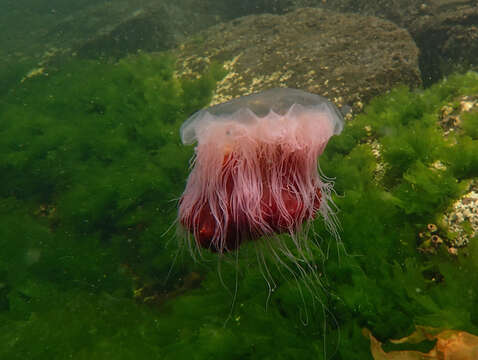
(90, 162)
(399, 172)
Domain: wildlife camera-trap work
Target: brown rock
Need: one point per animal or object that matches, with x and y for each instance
(447, 35)
(446, 31)
(345, 57)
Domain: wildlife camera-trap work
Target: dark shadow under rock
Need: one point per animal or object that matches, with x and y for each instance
(447, 37)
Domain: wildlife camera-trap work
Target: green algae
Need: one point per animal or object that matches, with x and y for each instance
(390, 287)
(91, 166)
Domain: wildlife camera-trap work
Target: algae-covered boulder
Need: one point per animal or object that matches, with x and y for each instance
(348, 58)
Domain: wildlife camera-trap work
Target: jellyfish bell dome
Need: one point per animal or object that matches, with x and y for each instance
(274, 103)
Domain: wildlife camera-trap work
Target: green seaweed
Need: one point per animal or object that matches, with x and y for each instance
(389, 287)
(90, 267)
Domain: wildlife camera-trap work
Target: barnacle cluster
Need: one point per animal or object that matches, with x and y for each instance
(462, 219)
(430, 239)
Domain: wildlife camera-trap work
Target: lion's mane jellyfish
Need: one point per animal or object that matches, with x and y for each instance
(255, 171)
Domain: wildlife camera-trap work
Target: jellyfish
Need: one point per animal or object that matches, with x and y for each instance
(255, 170)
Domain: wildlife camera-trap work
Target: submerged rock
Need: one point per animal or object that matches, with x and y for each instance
(346, 57)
